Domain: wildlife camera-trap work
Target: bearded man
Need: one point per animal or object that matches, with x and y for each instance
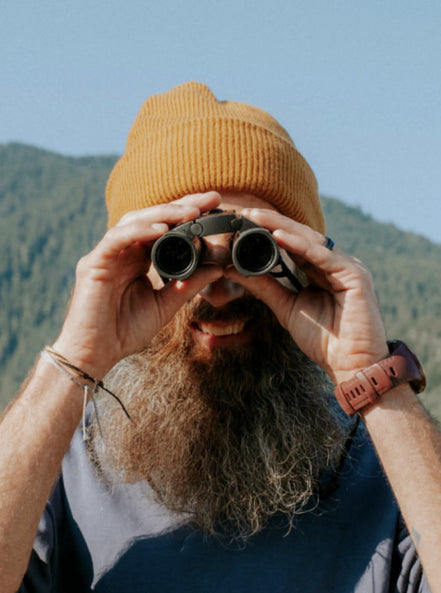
(234, 467)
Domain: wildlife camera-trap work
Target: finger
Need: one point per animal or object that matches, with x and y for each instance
(203, 201)
(144, 226)
(171, 212)
(277, 297)
(200, 202)
(273, 220)
(147, 224)
(177, 292)
(330, 269)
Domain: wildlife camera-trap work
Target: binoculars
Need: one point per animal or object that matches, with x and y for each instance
(177, 253)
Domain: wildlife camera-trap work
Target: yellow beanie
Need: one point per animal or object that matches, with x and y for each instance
(186, 141)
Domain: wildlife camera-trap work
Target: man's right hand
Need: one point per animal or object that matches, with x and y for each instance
(116, 308)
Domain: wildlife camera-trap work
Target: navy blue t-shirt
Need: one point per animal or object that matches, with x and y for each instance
(114, 540)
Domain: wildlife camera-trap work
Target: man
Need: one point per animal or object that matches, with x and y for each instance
(237, 470)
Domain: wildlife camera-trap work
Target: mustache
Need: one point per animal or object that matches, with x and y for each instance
(243, 309)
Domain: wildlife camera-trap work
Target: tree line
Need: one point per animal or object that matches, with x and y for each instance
(52, 211)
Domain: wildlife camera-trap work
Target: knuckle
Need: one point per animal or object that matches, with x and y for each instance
(363, 271)
(114, 232)
(82, 266)
(80, 270)
(126, 218)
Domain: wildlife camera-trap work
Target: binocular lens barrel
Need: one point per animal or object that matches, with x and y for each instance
(176, 256)
(255, 252)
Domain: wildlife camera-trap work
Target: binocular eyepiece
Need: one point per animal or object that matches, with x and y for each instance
(177, 253)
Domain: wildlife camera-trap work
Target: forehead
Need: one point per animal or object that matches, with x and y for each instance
(238, 200)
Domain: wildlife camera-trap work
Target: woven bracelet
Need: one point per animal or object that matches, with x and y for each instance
(89, 384)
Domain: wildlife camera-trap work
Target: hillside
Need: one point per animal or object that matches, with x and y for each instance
(52, 211)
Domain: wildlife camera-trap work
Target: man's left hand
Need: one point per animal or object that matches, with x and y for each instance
(335, 320)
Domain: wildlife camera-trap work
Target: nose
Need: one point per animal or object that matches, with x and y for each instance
(222, 292)
(217, 249)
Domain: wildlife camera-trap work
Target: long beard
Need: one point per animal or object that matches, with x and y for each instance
(230, 439)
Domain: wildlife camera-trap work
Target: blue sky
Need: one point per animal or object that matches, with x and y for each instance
(357, 84)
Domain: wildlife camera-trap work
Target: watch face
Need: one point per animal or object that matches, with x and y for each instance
(418, 383)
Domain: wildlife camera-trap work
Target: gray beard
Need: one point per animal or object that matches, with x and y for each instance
(230, 440)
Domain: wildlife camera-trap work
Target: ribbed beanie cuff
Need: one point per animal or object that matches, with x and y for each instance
(186, 141)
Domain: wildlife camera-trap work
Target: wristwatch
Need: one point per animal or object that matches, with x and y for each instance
(368, 385)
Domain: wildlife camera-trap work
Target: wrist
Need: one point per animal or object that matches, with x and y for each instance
(368, 385)
(89, 384)
(359, 364)
(46, 388)
(83, 357)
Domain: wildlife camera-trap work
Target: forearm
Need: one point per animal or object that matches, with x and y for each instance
(35, 433)
(409, 447)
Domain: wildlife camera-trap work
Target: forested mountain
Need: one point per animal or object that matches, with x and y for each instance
(52, 211)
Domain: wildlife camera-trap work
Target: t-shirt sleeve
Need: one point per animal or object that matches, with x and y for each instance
(39, 575)
(411, 578)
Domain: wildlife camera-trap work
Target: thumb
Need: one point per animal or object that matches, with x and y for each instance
(177, 292)
(278, 298)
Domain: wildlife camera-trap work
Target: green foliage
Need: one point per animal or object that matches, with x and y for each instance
(52, 212)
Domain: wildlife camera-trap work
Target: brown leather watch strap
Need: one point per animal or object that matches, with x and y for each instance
(368, 385)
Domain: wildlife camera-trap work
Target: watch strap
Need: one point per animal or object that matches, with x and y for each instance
(368, 385)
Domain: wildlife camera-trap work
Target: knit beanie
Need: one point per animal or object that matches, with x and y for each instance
(186, 141)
